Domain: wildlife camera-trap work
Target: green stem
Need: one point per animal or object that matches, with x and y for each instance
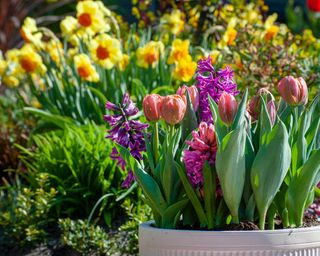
(235, 219)
(156, 142)
(262, 221)
(285, 218)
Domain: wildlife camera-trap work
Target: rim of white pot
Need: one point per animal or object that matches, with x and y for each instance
(291, 238)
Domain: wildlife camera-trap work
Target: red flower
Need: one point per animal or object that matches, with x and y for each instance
(313, 5)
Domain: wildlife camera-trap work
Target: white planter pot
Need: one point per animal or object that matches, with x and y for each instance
(169, 242)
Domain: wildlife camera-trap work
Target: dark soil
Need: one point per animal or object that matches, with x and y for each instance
(244, 225)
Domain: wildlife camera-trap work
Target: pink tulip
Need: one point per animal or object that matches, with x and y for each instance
(271, 107)
(294, 91)
(254, 105)
(151, 107)
(172, 109)
(228, 107)
(194, 95)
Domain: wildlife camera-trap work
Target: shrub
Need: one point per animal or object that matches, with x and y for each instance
(77, 161)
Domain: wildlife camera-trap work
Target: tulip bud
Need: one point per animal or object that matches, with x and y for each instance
(254, 105)
(294, 91)
(313, 5)
(271, 107)
(194, 95)
(151, 107)
(172, 109)
(228, 107)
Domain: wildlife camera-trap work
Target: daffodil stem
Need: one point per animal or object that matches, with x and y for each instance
(156, 141)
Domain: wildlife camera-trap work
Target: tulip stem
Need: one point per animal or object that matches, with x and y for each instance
(156, 142)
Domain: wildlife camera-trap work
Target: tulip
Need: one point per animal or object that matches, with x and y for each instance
(194, 95)
(151, 107)
(294, 91)
(254, 105)
(313, 5)
(271, 107)
(172, 109)
(228, 107)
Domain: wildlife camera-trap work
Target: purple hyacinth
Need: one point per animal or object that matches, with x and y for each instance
(126, 132)
(213, 83)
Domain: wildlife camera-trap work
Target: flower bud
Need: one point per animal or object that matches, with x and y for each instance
(194, 95)
(254, 105)
(313, 5)
(271, 107)
(294, 91)
(172, 109)
(228, 107)
(151, 107)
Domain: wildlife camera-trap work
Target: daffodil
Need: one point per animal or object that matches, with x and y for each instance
(180, 50)
(214, 56)
(271, 30)
(124, 62)
(149, 54)
(68, 26)
(90, 17)
(85, 68)
(30, 60)
(173, 22)
(55, 50)
(30, 33)
(11, 81)
(230, 34)
(105, 50)
(3, 67)
(185, 69)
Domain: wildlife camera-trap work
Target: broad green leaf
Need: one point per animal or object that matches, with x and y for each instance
(172, 213)
(270, 167)
(265, 124)
(301, 184)
(221, 129)
(231, 168)
(192, 196)
(240, 116)
(189, 121)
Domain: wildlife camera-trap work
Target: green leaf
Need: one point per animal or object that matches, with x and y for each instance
(265, 124)
(231, 168)
(209, 187)
(300, 186)
(172, 213)
(269, 168)
(240, 116)
(189, 121)
(221, 129)
(192, 196)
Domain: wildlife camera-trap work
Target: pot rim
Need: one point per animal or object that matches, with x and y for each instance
(148, 226)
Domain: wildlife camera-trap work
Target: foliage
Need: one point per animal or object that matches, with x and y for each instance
(86, 238)
(77, 163)
(25, 212)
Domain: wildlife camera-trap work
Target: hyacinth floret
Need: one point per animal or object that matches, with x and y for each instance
(213, 83)
(202, 148)
(126, 132)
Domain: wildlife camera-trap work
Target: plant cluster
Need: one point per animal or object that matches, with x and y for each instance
(255, 162)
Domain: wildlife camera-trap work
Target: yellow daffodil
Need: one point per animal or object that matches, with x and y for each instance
(180, 50)
(11, 81)
(214, 56)
(30, 60)
(185, 69)
(85, 68)
(149, 54)
(271, 30)
(230, 35)
(55, 50)
(173, 22)
(68, 26)
(29, 32)
(105, 50)
(3, 67)
(124, 62)
(90, 17)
